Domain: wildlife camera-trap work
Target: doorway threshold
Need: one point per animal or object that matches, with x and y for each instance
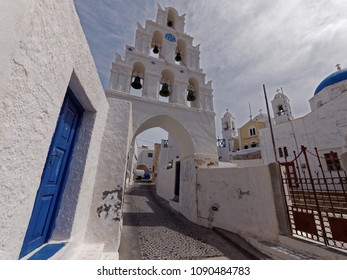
(47, 251)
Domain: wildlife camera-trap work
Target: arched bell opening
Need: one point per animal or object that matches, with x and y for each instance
(171, 16)
(137, 78)
(180, 52)
(156, 45)
(166, 85)
(192, 93)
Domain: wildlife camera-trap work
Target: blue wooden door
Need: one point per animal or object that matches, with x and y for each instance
(53, 176)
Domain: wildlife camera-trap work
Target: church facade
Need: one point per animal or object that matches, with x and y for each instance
(162, 78)
(67, 146)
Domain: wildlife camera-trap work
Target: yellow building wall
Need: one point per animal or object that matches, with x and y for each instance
(236, 144)
(245, 135)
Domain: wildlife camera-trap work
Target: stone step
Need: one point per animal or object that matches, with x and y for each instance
(277, 252)
(242, 244)
(89, 252)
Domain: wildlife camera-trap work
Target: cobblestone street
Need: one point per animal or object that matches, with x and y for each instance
(152, 231)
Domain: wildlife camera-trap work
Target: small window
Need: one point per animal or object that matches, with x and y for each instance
(285, 150)
(252, 131)
(150, 155)
(332, 161)
(280, 152)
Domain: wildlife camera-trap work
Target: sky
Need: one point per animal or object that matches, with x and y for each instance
(244, 44)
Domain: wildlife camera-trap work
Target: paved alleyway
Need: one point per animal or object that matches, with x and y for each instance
(154, 232)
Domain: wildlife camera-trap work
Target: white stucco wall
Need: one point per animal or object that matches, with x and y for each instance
(12, 23)
(193, 130)
(244, 199)
(166, 182)
(324, 128)
(144, 159)
(187, 204)
(247, 162)
(105, 219)
(188, 189)
(45, 51)
(166, 176)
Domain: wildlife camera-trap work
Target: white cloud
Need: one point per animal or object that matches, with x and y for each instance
(290, 44)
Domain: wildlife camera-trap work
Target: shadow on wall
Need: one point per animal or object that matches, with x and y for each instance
(66, 214)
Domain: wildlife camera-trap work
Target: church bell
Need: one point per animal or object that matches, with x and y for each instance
(155, 49)
(136, 84)
(164, 90)
(190, 96)
(178, 57)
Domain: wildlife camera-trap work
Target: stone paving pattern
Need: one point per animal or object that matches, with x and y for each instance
(166, 235)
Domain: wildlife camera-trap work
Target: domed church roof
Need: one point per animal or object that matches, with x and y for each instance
(333, 78)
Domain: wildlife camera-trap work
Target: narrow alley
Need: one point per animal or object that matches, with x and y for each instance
(152, 231)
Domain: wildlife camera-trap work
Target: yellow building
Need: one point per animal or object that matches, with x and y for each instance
(249, 134)
(242, 143)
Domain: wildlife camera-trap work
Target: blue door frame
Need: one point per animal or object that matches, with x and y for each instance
(54, 175)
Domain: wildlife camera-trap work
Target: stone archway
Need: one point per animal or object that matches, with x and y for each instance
(193, 131)
(168, 179)
(180, 135)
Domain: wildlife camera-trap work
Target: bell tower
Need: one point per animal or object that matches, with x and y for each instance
(281, 107)
(227, 144)
(171, 93)
(228, 126)
(164, 64)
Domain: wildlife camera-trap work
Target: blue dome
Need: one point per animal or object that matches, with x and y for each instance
(334, 78)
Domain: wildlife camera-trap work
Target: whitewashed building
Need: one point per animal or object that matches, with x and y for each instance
(162, 78)
(63, 146)
(145, 157)
(324, 127)
(66, 149)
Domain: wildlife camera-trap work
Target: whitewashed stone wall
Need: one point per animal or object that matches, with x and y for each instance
(105, 219)
(192, 130)
(324, 128)
(44, 51)
(144, 159)
(239, 200)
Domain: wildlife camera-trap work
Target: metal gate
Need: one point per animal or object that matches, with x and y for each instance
(316, 197)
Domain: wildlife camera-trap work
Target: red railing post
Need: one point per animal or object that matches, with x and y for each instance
(315, 195)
